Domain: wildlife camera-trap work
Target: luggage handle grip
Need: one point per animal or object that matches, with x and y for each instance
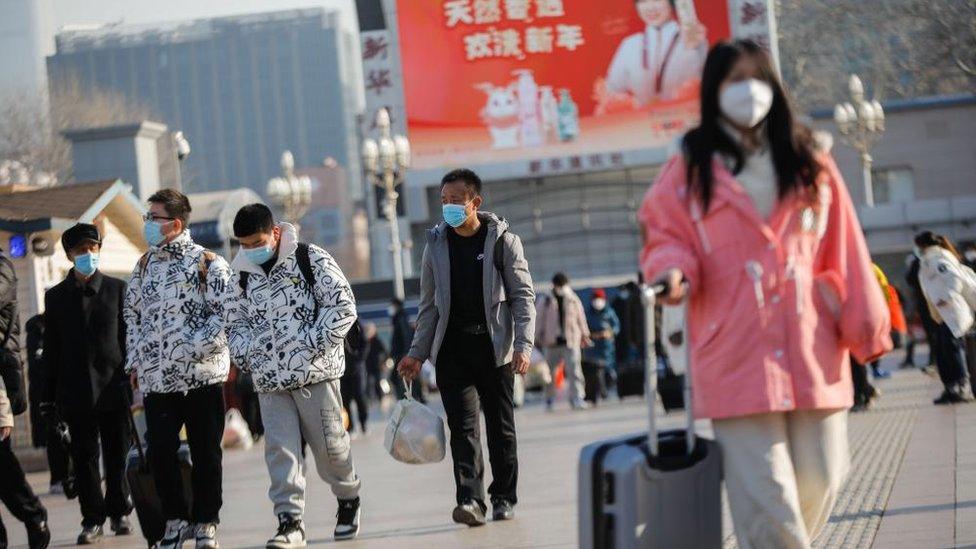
(650, 295)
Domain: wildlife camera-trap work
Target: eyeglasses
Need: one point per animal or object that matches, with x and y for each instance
(151, 217)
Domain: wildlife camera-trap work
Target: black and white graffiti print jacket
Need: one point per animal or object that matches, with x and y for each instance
(272, 326)
(175, 337)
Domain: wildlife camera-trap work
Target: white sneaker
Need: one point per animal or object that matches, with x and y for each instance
(291, 533)
(206, 534)
(177, 532)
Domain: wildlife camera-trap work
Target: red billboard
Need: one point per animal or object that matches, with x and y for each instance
(508, 80)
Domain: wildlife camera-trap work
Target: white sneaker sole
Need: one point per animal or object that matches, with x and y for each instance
(351, 535)
(285, 545)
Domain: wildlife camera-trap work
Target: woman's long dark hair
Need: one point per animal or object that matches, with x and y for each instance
(928, 238)
(790, 142)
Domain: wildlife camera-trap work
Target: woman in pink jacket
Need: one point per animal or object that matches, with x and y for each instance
(761, 227)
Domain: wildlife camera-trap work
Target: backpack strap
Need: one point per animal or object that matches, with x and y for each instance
(498, 257)
(143, 263)
(304, 260)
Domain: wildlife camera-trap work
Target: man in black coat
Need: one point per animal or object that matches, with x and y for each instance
(84, 350)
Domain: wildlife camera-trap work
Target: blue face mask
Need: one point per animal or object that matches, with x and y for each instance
(454, 214)
(259, 256)
(86, 264)
(153, 232)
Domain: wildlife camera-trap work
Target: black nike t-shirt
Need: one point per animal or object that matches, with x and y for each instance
(467, 283)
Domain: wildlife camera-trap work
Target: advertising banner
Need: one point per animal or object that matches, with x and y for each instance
(514, 81)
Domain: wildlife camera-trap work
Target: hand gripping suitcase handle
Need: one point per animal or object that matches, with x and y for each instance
(650, 296)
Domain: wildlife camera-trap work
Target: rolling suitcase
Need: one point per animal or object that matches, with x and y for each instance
(656, 490)
(148, 506)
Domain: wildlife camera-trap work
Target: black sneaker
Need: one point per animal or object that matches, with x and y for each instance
(120, 526)
(502, 509)
(347, 519)
(949, 397)
(176, 534)
(470, 513)
(38, 534)
(291, 533)
(90, 535)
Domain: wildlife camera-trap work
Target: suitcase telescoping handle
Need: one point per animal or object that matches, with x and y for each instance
(650, 296)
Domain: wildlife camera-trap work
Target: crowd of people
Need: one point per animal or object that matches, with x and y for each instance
(751, 224)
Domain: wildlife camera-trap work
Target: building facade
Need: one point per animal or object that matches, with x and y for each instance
(242, 89)
(923, 176)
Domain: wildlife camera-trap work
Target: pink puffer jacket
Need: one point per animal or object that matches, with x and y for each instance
(775, 305)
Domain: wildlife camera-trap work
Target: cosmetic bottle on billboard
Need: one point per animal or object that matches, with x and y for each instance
(529, 117)
(686, 12)
(550, 113)
(568, 116)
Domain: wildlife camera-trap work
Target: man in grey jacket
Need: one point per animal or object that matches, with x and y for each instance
(476, 322)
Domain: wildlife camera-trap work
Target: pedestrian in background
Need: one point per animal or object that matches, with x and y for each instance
(376, 357)
(289, 309)
(562, 332)
(475, 324)
(177, 355)
(949, 288)
(755, 227)
(45, 434)
(85, 382)
(354, 379)
(401, 339)
(604, 328)
(15, 492)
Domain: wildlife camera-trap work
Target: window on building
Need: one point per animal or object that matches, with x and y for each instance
(893, 185)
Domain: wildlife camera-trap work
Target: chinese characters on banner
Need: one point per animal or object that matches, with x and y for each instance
(751, 19)
(576, 82)
(380, 86)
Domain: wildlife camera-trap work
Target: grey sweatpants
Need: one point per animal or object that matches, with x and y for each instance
(315, 412)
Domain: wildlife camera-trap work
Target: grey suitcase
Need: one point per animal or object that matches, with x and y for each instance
(656, 490)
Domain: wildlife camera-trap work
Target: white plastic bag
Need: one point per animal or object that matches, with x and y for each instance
(236, 433)
(415, 433)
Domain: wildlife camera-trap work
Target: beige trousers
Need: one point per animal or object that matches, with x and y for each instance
(782, 473)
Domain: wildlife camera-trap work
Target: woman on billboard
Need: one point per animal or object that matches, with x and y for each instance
(665, 59)
(754, 216)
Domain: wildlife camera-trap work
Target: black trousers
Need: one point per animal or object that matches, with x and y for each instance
(15, 493)
(863, 390)
(353, 389)
(202, 412)
(108, 434)
(58, 457)
(950, 359)
(469, 383)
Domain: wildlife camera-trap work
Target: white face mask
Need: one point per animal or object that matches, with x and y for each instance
(599, 304)
(391, 310)
(746, 103)
(558, 290)
(970, 255)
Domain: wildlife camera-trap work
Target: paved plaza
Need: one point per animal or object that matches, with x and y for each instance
(913, 483)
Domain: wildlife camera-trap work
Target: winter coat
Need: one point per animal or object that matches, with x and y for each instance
(175, 338)
(85, 354)
(273, 331)
(508, 294)
(603, 350)
(574, 328)
(775, 304)
(949, 288)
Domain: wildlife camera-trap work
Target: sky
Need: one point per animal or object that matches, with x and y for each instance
(149, 11)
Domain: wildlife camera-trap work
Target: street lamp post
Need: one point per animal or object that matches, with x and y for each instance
(292, 193)
(385, 160)
(861, 123)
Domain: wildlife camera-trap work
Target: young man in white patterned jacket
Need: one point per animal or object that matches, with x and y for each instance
(288, 309)
(177, 355)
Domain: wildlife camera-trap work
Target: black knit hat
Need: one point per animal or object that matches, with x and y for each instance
(78, 234)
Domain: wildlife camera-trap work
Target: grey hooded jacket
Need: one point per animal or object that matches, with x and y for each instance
(509, 304)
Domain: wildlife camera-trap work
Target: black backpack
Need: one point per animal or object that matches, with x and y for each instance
(355, 333)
